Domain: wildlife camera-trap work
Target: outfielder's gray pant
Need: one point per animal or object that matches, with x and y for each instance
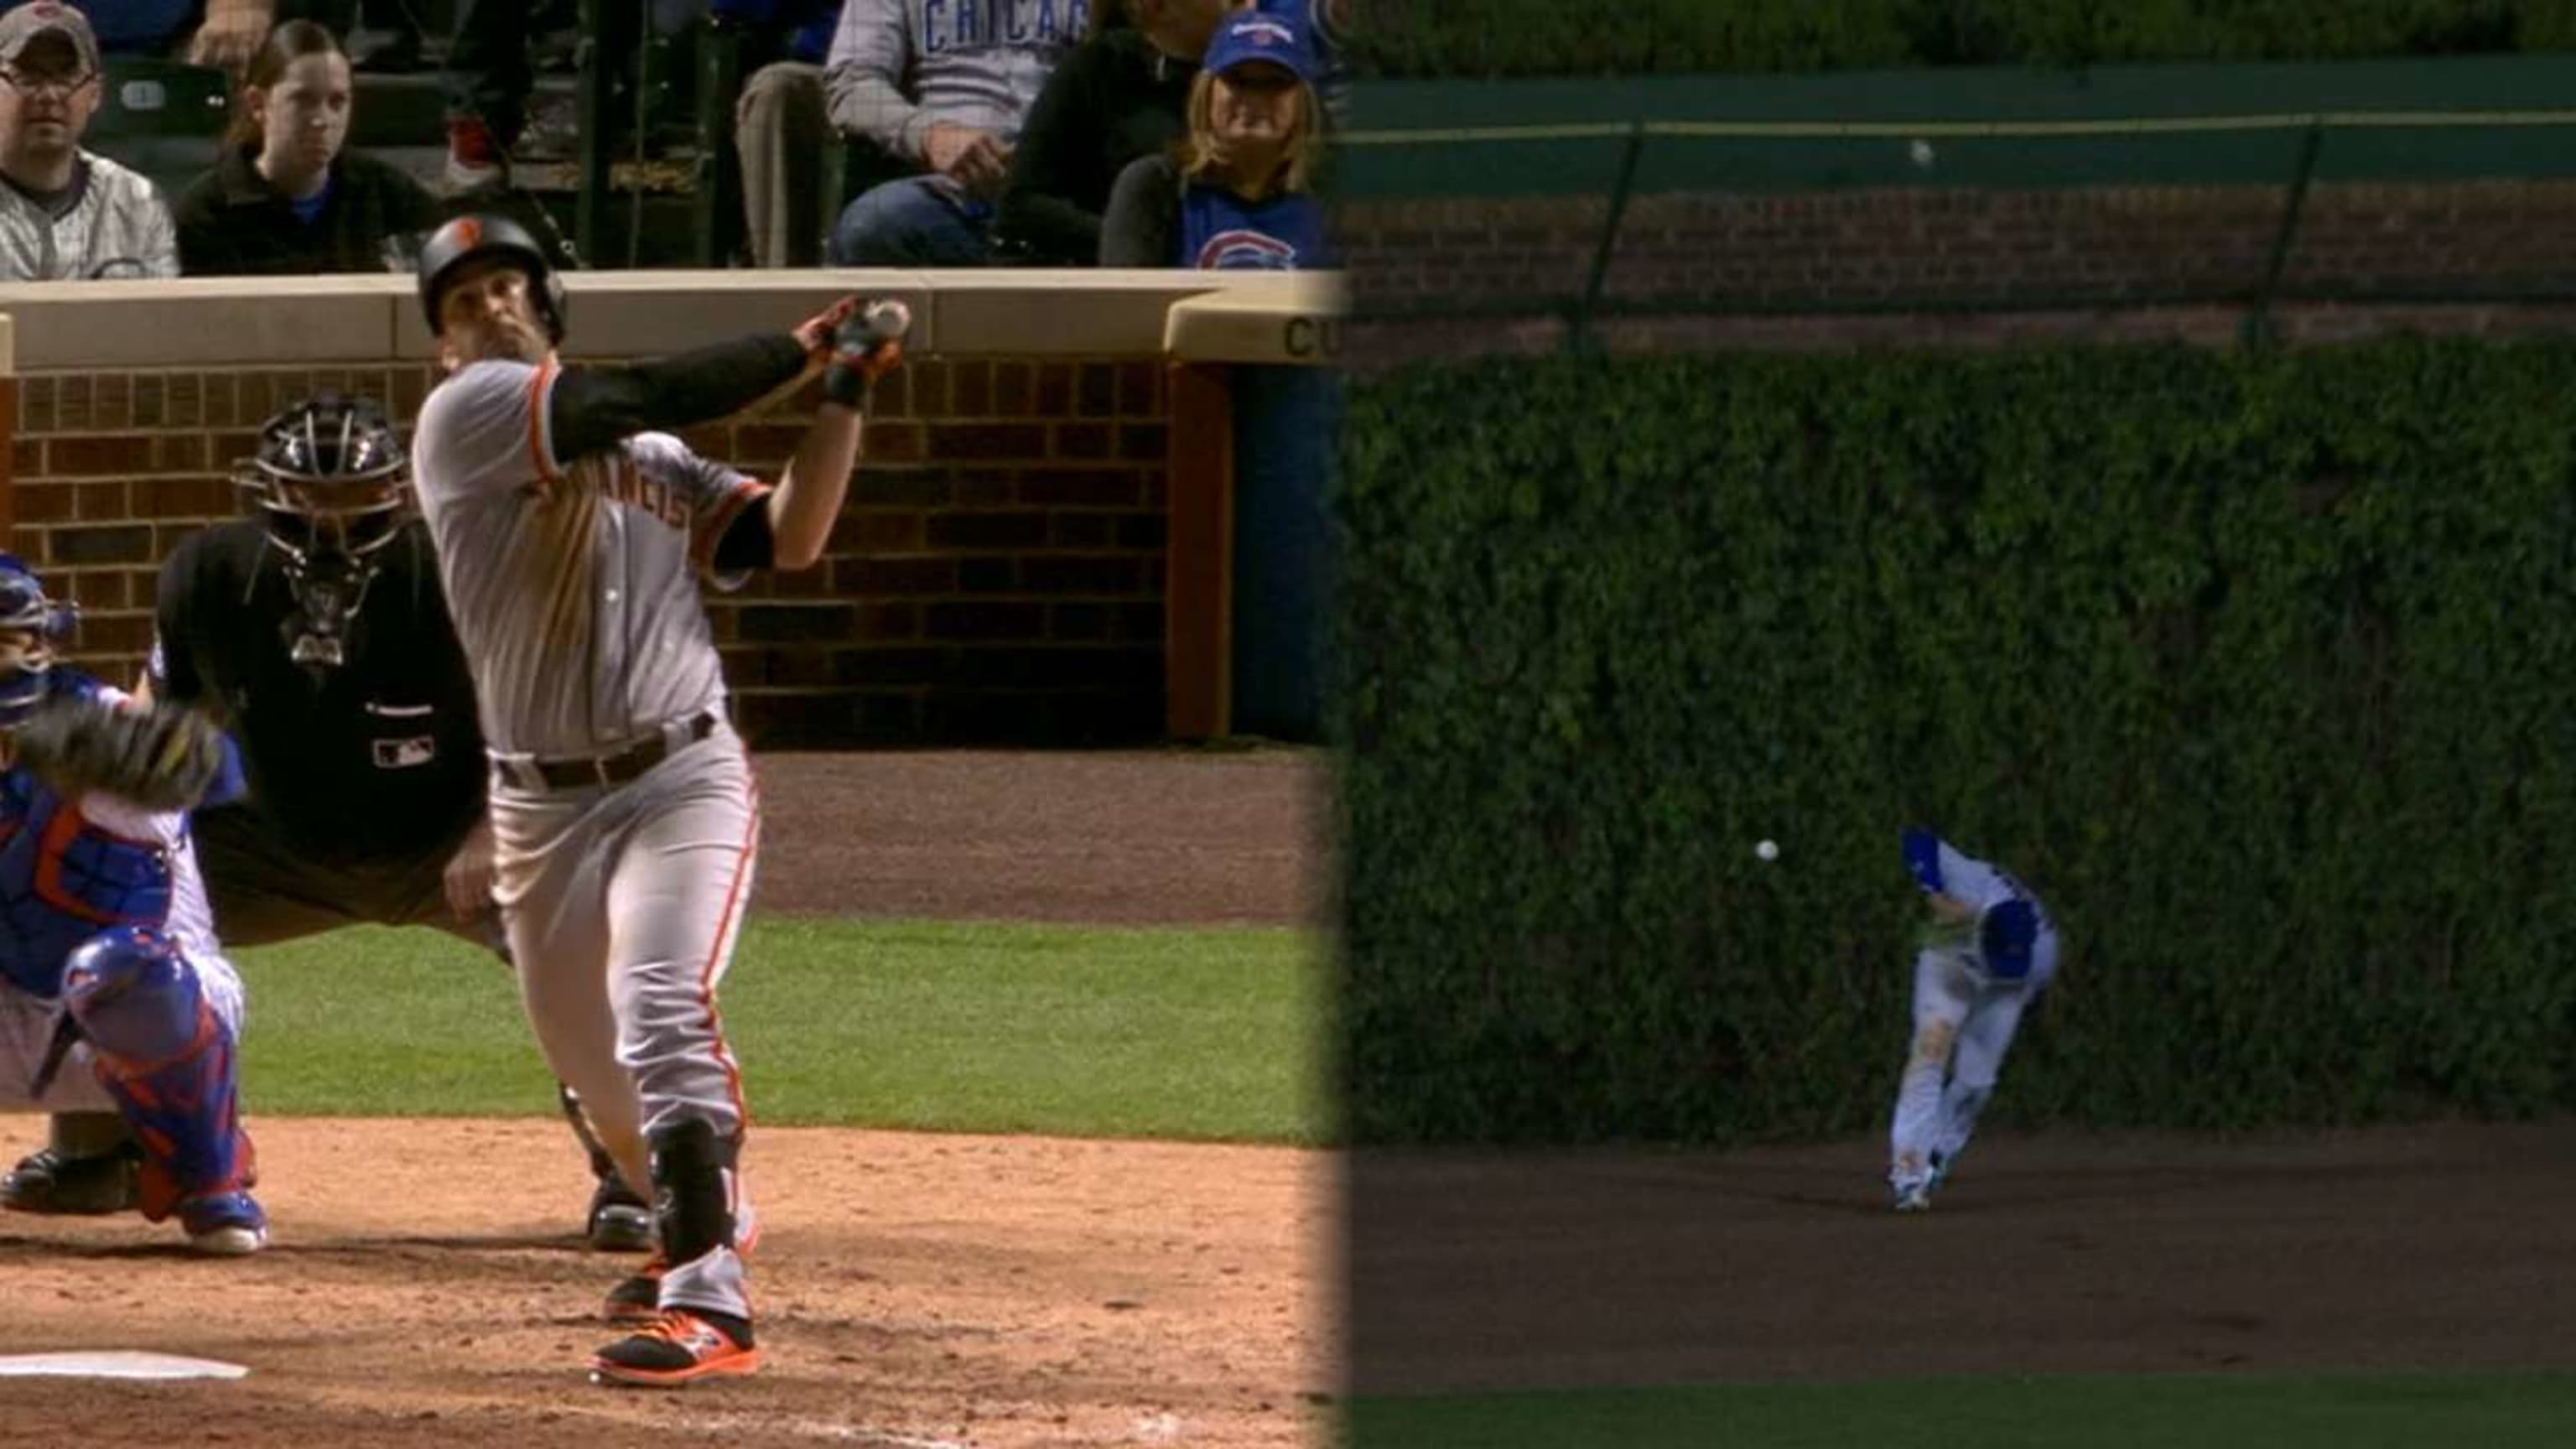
(622, 906)
(1963, 1024)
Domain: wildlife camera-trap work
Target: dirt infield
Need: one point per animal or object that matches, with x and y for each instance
(427, 1285)
(2387, 1249)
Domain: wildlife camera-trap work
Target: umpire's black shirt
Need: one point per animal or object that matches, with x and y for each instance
(379, 761)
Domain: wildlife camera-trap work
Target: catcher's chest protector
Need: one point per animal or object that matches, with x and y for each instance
(63, 880)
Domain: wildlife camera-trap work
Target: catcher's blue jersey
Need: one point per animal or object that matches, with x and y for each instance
(65, 877)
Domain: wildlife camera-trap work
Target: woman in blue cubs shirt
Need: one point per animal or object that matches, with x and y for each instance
(1240, 192)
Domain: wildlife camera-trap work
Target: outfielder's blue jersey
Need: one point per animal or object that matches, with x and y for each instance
(1220, 231)
(1942, 869)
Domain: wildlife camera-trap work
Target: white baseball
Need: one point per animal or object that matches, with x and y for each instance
(889, 318)
(1768, 850)
(1921, 151)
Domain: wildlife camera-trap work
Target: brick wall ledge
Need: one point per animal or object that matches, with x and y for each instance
(57, 326)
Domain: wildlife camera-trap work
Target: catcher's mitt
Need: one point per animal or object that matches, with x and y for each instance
(161, 758)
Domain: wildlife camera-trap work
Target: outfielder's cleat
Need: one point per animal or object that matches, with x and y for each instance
(1914, 1199)
(50, 1183)
(620, 1222)
(680, 1346)
(224, 1224)
(1942, 1162)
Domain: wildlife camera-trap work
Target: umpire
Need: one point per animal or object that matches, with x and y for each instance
(316, 634)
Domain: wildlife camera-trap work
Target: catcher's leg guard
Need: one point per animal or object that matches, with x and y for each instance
(160, 1050)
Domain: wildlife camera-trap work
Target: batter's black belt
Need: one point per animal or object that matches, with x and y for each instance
(581, 772)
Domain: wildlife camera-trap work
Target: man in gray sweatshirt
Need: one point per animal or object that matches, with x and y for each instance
(942, 85)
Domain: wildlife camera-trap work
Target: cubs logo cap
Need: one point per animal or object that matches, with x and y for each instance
(1923, 858)
(1257, 35)
(21, 27)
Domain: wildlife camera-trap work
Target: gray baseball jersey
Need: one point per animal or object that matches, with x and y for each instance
(574, 585)
(574, 588)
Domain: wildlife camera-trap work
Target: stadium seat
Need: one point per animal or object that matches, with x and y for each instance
(163, 118)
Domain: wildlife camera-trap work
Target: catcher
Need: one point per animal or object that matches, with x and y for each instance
(315, 632)
(1987, 954)
(114, 998)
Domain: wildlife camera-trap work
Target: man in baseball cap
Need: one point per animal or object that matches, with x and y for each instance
(67, 213)
(28, 23)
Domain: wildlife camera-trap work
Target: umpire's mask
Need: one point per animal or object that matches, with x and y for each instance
(334, 488)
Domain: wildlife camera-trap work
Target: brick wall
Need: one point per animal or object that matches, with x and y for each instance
(1959, 264)
(996, 577)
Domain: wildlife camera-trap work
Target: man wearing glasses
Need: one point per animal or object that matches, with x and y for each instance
(66, 213)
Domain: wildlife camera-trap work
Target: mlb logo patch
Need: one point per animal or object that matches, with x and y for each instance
(406, 754)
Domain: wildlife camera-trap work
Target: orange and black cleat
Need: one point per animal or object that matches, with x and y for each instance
(680, 1346)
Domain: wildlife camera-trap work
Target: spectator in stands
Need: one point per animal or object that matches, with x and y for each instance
(392, 25)
(285, 197)
(231, 32)
(1121, 95)
(1324, 23)
(490, 75)
(781, 127)
(1239, 193)
(942, 87)
(64, 212)
(221, 33)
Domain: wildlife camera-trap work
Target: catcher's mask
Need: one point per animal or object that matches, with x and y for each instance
(333, 487)
(30, 625)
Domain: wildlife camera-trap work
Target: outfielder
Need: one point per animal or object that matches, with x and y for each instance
(1988, 952)
(315, 634)
(570, 538)
(116, 999)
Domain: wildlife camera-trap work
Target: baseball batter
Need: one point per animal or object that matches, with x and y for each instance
(1987, 954)
(113, 995)
(571, 538)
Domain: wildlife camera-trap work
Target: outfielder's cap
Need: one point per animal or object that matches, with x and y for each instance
(469, 239)
(20, 27)
(1256, 35)
(2005, 935)
(1923, 858)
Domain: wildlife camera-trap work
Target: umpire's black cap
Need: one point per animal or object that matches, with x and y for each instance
(472, 238)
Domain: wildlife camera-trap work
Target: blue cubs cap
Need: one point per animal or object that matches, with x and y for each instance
(1923, 858)
(1256, 35)
(2004, 938)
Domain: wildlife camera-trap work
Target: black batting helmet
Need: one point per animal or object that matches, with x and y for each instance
(472, 238)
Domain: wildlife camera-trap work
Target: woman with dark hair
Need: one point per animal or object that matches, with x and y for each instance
(1240, 192)
(285, 198)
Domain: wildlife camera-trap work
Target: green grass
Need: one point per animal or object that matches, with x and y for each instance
(2352, 1411)
(1187, 1034)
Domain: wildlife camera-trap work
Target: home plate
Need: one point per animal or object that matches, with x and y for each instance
(115, 1364)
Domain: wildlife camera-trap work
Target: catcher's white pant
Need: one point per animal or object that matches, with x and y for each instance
(622, 907)
(1963, 1023)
